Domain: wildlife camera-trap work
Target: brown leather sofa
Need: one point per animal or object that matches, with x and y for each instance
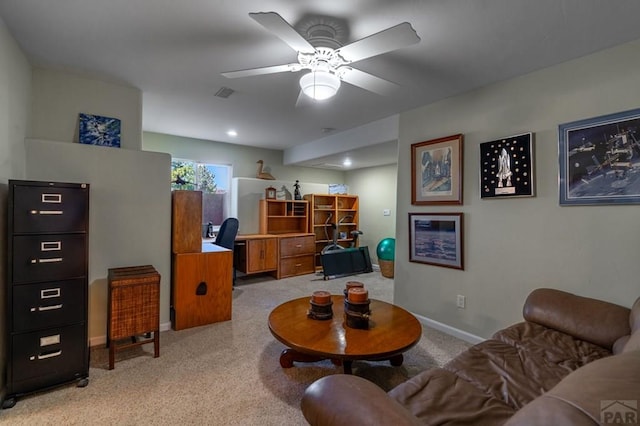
(573, 361)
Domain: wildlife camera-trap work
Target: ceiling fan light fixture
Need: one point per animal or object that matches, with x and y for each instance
(319, 85)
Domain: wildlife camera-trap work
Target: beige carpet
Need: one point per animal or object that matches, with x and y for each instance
(220, 374)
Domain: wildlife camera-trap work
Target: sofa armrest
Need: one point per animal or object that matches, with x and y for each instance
(343, 399)
(595, 321)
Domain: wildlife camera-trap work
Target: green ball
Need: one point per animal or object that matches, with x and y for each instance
(386, 249)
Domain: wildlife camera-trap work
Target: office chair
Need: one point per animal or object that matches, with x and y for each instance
(226, 237)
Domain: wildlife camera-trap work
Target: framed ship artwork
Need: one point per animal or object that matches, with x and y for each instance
(98, 130)
(506, 167)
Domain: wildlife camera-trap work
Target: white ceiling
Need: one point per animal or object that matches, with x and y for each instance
(174, 51)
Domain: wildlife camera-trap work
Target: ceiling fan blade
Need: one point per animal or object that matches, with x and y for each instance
(393, 38)
(368, 82)
(261, 71)
(277, 25)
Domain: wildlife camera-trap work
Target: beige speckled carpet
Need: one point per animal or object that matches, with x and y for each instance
(220, 374)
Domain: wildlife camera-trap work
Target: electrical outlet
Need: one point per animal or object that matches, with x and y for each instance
(460, 301)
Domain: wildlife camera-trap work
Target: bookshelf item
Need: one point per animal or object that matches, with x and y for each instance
(47, 287)
(134, 308)
(327, 209)
(283, 216)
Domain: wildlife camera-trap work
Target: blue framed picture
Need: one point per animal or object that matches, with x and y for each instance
(600, 160)
(98, 130)
(436, 239)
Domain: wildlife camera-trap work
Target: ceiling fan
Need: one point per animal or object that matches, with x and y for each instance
(327, 60)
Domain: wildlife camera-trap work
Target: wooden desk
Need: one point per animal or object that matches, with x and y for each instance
(282, 255)
(392, 331)
(201, 287)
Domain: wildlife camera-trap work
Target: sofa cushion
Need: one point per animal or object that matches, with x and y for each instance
(554, 346)
(575, 315)
(630, 342)
(586, 394)
(439, 397)
(506, 373)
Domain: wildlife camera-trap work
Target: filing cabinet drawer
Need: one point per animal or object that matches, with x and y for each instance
(292, 246)
(49, 304)
(55, 351)
(298, 265)
(48, 257)
(50, 208)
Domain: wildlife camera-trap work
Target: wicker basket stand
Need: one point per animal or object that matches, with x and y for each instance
(386, 268)
(134, 308)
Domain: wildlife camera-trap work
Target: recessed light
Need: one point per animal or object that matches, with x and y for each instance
(232, 133)
(346, 163)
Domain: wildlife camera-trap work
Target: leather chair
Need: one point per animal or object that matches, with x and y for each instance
(226, 237)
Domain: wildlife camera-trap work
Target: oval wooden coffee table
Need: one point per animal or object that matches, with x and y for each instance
(392, 331)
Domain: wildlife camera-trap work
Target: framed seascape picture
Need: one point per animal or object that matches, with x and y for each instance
(436, 239)
(436, 171)
(506, 167)
(98, 130)
(600, 160)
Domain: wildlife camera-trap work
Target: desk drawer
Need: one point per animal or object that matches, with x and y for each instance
(293, 246)
(38, 208)
(48, 257)
(56, 351)
(50, 304)
(298, 265)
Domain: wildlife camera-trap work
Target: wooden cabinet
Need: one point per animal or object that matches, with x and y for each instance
(47, 286)
(201, 273)
(283, 216)
(327, 210)
(186, 221)
(296, 255)
(202, 287)
(256, 253)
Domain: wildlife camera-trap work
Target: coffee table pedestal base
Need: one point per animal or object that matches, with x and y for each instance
(289, 356)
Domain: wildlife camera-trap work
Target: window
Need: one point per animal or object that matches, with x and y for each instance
(214, 180)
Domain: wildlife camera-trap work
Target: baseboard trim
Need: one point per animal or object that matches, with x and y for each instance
(452, 331)
(102, 340)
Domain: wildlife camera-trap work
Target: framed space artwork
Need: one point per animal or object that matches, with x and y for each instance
(600, 160)
(506, 167)
(98, 130)
(436, 171)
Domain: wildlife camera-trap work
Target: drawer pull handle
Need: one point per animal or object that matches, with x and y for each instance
(50, 260)
(298, 265)
(47, 308)
(51, 355)
(46, 212)
(51, 245)
(50, 293)
(298, 245)
(51, 198)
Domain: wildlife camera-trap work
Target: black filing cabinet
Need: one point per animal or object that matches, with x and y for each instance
(47, 292)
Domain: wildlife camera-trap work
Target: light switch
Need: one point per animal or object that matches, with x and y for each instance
(386, 212)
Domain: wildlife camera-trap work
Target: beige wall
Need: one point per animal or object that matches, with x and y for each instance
(130, 198)
(59, 97)
(242, 157)
(376, 190)
(15, 97)
(513, 246)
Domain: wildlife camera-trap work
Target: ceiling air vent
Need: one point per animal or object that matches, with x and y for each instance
(224, 92)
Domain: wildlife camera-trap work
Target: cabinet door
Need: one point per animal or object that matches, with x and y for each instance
(201, 288)
(262, 255)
